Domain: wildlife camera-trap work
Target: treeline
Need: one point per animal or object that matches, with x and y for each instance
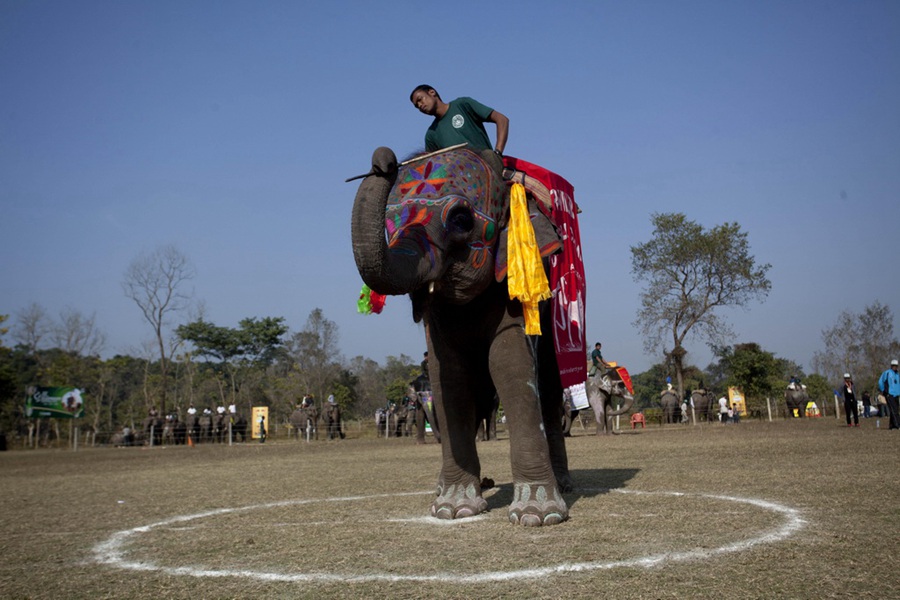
(259, 363)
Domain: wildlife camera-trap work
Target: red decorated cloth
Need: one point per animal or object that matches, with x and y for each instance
(566, 269)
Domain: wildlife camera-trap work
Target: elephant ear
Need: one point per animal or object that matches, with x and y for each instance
(545, 233)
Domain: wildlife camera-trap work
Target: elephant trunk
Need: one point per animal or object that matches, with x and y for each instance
(625, 407)
(383, 271)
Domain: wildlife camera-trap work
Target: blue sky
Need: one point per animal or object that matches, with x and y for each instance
(228, 128)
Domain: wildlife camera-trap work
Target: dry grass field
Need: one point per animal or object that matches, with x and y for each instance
(790, 509)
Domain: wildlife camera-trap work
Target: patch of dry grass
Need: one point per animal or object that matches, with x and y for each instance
(355, 510)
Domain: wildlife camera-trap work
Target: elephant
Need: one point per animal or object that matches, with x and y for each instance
(420, 389)
(220, 424)
(152, 428)
(702, 402)
(220, 427)
(193, 427)
(487, 423)
(670, 406)
(383, 420)
(175, 431)
(304, 421)
(205, 422)
(600, 391)
(239, 427)
(796, 399)
(332, 418)
(434, 228)
(402, 414)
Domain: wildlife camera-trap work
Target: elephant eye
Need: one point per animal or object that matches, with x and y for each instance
(460, 221)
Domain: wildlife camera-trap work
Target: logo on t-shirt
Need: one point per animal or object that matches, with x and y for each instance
(458, 121)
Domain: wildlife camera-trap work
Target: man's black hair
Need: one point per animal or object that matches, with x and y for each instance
(424, 88)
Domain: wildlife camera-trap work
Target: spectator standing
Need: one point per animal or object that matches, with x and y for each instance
(867, 403)
(850, 407)
(723, 410)
(889, 385)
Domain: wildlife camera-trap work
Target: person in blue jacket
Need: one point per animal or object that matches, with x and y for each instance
(889, 385)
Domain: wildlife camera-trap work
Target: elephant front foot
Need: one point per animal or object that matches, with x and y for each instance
(537, 504)
(458, 501)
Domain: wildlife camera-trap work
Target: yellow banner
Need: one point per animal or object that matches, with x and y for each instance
(736, 400)
(258, 426)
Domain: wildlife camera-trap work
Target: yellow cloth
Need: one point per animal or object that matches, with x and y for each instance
(527, 280)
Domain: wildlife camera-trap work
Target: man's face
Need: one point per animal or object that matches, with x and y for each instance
(426, 102)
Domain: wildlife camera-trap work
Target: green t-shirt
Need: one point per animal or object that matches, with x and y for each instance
(463, 122)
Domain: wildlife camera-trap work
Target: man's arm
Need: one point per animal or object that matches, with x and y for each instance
(502, 123)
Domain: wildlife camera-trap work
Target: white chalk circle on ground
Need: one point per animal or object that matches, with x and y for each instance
(113, 551)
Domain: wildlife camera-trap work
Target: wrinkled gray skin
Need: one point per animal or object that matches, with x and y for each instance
(304, 422)
(796, 399)
(702, 405)
(476, 339)
(601, 389)
(670, 405)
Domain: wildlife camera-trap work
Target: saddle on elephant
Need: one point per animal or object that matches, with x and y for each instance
(555, 198)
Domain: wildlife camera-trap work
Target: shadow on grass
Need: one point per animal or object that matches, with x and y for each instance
(589, 483)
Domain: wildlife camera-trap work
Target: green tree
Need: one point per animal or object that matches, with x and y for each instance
(758, 373)
(690, 272)
(253, 344)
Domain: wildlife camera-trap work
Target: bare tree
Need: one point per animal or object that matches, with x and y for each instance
(32, 324)
(859, 344)
(690, 272)
(156, 282)
(77, 333)
(315, 354)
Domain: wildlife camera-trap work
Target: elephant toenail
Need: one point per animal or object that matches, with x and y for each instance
(530, 520)
(553, 519)
(444, 512)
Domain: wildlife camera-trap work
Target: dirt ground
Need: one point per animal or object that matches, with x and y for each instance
(791, 509)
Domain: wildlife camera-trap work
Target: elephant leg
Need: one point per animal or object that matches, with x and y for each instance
(459, 484)
(599, 407)
(552, 409)
(537, 446)
(420, 425)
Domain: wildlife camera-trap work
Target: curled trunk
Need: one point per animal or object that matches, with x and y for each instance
(383, 271)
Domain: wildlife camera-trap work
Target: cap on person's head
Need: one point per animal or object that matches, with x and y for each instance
(894, 363)
(846, 375)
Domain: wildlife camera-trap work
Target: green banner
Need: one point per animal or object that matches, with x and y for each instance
(56, 402)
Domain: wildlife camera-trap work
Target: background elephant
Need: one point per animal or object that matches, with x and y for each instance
(487, 422)
(434, 229)
(304, 422)
(239, 427)
(153, 428)
(220, 424)
(401, 417)
(205, 422)
(670, 406)
(796, 399)
(601, 389)
(175, 431)
(332, 418)
(702, 402)
(420, 391)
(193, 427)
